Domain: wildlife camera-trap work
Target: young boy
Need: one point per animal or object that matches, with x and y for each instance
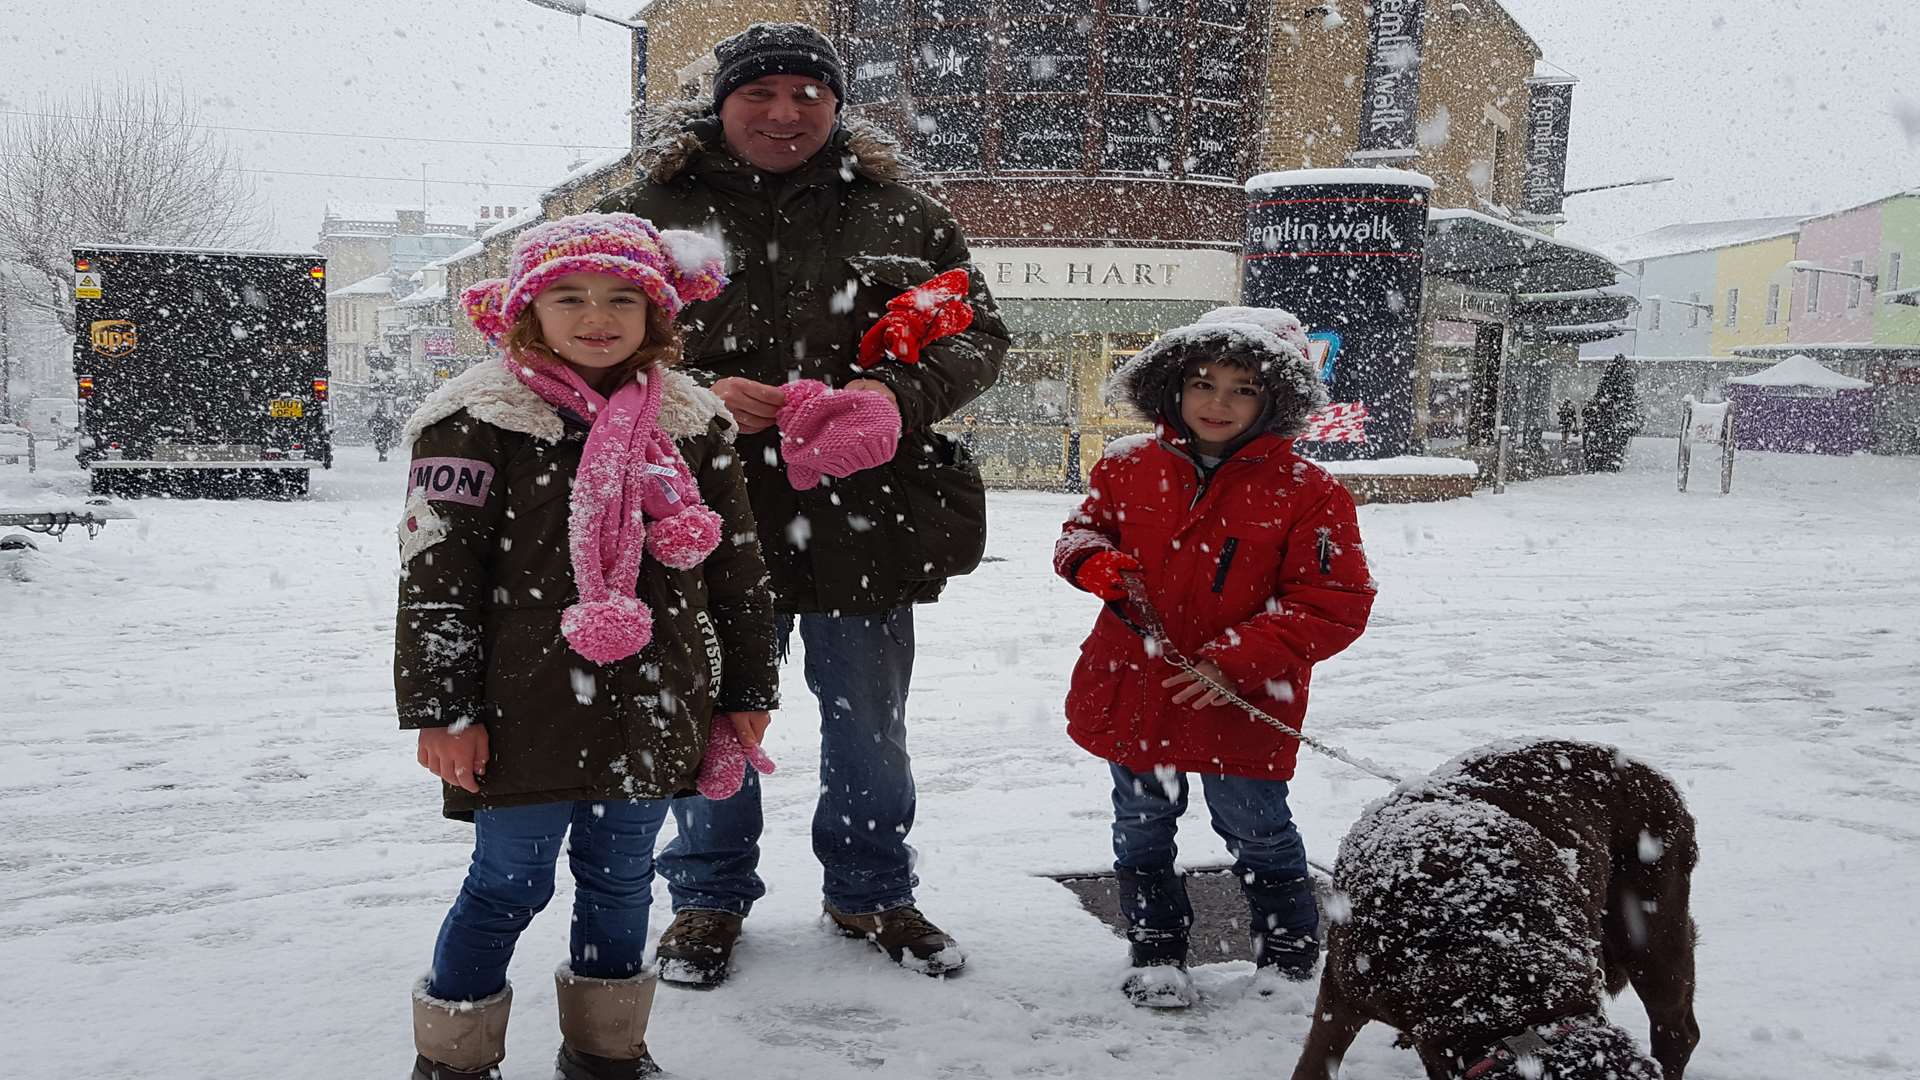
(1251, 555)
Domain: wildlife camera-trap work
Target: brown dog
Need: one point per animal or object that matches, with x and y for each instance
(1483, 910)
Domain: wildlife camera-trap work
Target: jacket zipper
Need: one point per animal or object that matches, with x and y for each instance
(1226, 560)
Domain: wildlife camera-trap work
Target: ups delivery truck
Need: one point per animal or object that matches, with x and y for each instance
(201, 372)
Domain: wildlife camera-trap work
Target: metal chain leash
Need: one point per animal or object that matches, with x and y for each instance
(1154, 630)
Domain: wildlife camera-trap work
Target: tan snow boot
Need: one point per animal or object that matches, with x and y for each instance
(459, 1040)
(603, 1026)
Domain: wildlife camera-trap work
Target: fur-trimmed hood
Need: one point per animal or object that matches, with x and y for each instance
(679, 131)
(491, 394)
(1150, 381)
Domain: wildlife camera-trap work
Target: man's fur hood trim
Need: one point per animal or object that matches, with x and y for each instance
(679, 131)
(490, 393)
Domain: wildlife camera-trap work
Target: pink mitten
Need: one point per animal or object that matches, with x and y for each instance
(836, 433)
(724, 768)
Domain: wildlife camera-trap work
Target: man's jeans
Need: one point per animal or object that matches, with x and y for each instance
(1251, 815)
(858, 668)
(610, 848)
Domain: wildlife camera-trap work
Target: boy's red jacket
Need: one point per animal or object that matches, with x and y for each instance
(1261, 572)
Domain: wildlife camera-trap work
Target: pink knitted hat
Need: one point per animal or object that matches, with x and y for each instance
(673, 267)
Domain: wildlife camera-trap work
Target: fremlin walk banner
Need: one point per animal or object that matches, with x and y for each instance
(1392, 90)
(1344, 250)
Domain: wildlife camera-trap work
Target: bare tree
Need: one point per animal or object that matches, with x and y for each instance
(125, 165)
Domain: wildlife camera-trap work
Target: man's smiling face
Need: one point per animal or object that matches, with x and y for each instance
(777, 122)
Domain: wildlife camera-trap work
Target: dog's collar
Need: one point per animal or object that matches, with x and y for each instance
(1531, 1042)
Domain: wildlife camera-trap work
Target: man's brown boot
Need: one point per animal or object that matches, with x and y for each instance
(696, 949)
(459, 1040)
(905, 935)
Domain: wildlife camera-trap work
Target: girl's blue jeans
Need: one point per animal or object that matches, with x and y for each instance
(610, 849)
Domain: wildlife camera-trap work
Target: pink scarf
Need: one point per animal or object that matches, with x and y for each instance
(630, 473)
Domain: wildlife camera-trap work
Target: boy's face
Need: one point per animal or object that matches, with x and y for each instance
(1219, 403)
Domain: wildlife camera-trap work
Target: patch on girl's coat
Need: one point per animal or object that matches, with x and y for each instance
(451, 479)
(420, 528)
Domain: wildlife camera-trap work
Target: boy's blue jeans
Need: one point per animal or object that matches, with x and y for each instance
(858, 668)
(610, 848)
(1251, 815)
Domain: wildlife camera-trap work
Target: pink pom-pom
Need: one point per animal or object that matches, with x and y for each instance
(605, 631)
(687, 537)
(483, 302)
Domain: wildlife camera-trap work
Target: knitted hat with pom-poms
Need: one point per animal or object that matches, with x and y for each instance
(673, 267)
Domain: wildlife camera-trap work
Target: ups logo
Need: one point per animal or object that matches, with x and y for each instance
(114, 337)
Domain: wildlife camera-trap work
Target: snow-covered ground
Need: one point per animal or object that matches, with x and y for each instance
(218, 858)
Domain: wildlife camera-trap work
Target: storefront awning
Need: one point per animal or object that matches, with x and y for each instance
(1909, 297)
(1491, 255)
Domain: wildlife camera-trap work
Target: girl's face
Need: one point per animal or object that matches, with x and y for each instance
(1219, 403)
(592, 321)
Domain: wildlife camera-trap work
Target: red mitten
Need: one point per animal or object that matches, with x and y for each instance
(724, 768)
(1100, 574)
(919, 316)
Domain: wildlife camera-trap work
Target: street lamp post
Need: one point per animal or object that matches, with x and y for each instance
(638, 76)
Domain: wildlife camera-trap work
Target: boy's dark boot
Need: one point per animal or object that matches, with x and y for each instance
(459, 1040)
(1154, 903)
(904, 934)
(1285, 924)
(697, 948)
(603, 1027)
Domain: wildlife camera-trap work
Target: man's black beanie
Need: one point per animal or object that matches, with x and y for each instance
(777, 49)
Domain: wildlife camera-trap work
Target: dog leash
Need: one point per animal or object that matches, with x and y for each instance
(1154, 630)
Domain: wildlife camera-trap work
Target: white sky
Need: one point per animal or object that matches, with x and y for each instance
(1758, 108)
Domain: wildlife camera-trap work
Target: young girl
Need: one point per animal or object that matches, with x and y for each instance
(582, 607)
(1251, 556)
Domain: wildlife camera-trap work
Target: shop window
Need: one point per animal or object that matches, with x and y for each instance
(1224, 12)
(1048, 57)
(879, 14)
(1142, 58)
(1813, 292)
(1213, 146)
(950, 62)
(949, 137)
(1854, 284)
(937, 11)
(1773, 305)
(1043, 135)
(874, 73)
(1139, 137)
(1733, 308)
(1653, 316)
(1693, 309)
(1893, 272)
(1216, 67)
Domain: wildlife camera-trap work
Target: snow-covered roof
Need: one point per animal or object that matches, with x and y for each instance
(589, 169)
(431, 294)
(465, 253)
(1907, 193)
(1699, 236)
(1801, 370)
(464, 216)
(377, 285)
(513, 224)
(1273, 181)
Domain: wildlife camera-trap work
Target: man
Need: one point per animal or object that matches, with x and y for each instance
(821, 234)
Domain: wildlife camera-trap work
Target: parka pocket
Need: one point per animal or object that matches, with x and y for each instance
(946, 506)
(875, 279)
